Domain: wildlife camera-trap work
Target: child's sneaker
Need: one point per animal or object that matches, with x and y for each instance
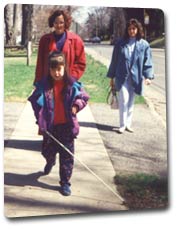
(65, 190)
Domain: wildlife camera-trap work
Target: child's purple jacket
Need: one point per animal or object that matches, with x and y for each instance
(42, 101)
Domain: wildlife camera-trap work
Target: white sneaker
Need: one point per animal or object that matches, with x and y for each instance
(121, 130)
(129, 129)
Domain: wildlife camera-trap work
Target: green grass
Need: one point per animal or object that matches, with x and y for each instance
(18, 79)
(95, 81)
(97, 84)
(158, 43)
(143, 190)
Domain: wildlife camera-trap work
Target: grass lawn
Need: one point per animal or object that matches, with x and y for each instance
(18, 79)
(158, 43)
(95, 81)
(143, 191)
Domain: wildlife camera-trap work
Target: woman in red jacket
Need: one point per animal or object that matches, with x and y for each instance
(61, 40)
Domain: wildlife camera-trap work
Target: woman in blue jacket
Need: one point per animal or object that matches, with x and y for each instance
(131, 64)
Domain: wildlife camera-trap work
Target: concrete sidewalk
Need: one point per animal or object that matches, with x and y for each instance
(29, 193)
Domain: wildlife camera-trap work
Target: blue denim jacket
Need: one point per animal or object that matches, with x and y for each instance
(141, 67)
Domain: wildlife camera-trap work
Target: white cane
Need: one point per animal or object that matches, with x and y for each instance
(63, 146)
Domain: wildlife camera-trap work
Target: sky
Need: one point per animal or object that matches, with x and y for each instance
(81, 14)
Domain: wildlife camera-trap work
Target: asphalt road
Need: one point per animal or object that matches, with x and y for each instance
(146, 149)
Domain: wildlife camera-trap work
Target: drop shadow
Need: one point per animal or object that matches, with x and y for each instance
(31, 179)
(23, 144)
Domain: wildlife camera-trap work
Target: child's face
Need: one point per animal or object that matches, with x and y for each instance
(57, 73)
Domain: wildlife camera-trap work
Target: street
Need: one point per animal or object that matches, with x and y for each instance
(156, 92)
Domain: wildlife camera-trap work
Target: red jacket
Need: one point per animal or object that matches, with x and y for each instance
(73, 50)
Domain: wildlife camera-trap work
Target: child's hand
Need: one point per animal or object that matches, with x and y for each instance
(74, 109)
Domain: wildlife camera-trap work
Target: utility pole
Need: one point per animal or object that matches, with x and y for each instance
(146, 21)
(96, 26)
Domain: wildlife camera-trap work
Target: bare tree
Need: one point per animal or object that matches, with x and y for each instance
(98, 22)
(10, 20)
(27, 17)
(7, 21)
(118, 19)
(40, 18)
(15, 19)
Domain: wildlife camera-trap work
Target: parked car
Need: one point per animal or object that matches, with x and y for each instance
(95, 40)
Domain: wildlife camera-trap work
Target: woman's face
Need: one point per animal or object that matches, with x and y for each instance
(132, 31)
(59, 25)
(57, 73)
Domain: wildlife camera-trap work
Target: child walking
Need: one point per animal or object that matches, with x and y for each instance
(56, 100)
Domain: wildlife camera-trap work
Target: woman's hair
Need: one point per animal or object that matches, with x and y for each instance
(66, 15)
(138, 25)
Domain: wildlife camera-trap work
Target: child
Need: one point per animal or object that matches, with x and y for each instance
(56, 101)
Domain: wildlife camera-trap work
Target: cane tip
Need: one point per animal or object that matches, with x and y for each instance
(123, 202)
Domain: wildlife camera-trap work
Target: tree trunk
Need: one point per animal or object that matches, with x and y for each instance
(15, 20)
(11, 17)
(8, 24)
(119, 21)
(27, 14)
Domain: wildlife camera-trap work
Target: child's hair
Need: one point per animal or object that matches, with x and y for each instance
(56, 58)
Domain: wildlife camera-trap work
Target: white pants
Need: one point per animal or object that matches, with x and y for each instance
(126, 97)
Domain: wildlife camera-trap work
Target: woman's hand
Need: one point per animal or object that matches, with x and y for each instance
(112, 83)
(147, 81)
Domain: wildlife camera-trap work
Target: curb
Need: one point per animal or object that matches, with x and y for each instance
(151, 107)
